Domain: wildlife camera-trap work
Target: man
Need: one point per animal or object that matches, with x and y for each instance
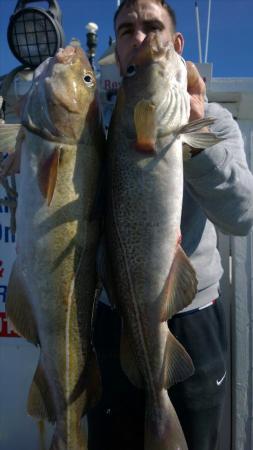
(218, 191)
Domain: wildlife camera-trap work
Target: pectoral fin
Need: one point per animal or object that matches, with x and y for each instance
(194, 143)
(47, 175)
(196, 125)
(194, 139)
(190, 127)
(144, 119)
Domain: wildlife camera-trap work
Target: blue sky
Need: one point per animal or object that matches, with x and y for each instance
(231, 35)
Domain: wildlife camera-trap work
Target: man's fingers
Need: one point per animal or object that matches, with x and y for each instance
(197, 89)
(196, 85)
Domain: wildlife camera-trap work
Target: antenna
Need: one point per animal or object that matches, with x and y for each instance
(198, 31)
(208, 30)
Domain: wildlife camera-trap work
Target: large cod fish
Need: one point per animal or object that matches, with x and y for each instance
(52, 284)
(148, 275)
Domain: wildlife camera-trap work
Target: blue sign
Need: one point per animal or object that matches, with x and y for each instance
(6, 234)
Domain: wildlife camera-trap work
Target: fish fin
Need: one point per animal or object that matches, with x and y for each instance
(162, 430)
(145, 125)
(18, 307)
(194, 143)
(47, 175)
(196, 125)
(180, 287)
(39, 402)
(177, 365)
(189, 128)
(128, 362)
(8, 136)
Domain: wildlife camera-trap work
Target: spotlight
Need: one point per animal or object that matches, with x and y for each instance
(34, 34)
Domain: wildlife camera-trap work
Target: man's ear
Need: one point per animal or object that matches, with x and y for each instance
(178, 43)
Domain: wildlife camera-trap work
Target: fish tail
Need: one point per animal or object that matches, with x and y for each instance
(162, 428)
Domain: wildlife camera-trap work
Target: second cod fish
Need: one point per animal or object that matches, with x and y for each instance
(52, 284)
(148, 275)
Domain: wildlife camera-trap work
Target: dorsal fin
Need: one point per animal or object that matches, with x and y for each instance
(180, 287)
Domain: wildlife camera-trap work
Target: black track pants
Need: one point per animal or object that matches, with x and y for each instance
(117, 422)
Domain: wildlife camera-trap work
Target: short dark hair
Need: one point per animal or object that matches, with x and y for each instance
(163, 3)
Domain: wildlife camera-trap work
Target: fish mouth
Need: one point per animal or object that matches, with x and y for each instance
(69, 55)
(151, 50)
(65, 55)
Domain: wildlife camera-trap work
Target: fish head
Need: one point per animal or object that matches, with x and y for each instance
(154, 94)
(154, 70)
(63, 95)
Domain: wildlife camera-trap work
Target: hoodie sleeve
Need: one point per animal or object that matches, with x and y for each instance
(219, 178)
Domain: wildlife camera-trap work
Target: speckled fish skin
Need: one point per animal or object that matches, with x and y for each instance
(52, 286)
(143, 234)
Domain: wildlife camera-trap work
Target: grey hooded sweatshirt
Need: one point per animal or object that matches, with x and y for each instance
(218, 191)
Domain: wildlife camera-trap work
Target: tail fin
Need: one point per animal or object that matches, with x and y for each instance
(162, 428)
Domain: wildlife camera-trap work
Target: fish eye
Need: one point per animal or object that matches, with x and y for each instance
(131, 70)
(88, 79)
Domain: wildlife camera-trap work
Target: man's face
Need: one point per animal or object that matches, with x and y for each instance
(134, 23)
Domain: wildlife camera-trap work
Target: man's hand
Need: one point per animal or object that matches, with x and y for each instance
(197, 90)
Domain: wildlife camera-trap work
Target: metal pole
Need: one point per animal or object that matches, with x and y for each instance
(91, 35)
(208, 29)
(198, 31)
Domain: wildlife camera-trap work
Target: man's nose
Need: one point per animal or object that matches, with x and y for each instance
(139, 37)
